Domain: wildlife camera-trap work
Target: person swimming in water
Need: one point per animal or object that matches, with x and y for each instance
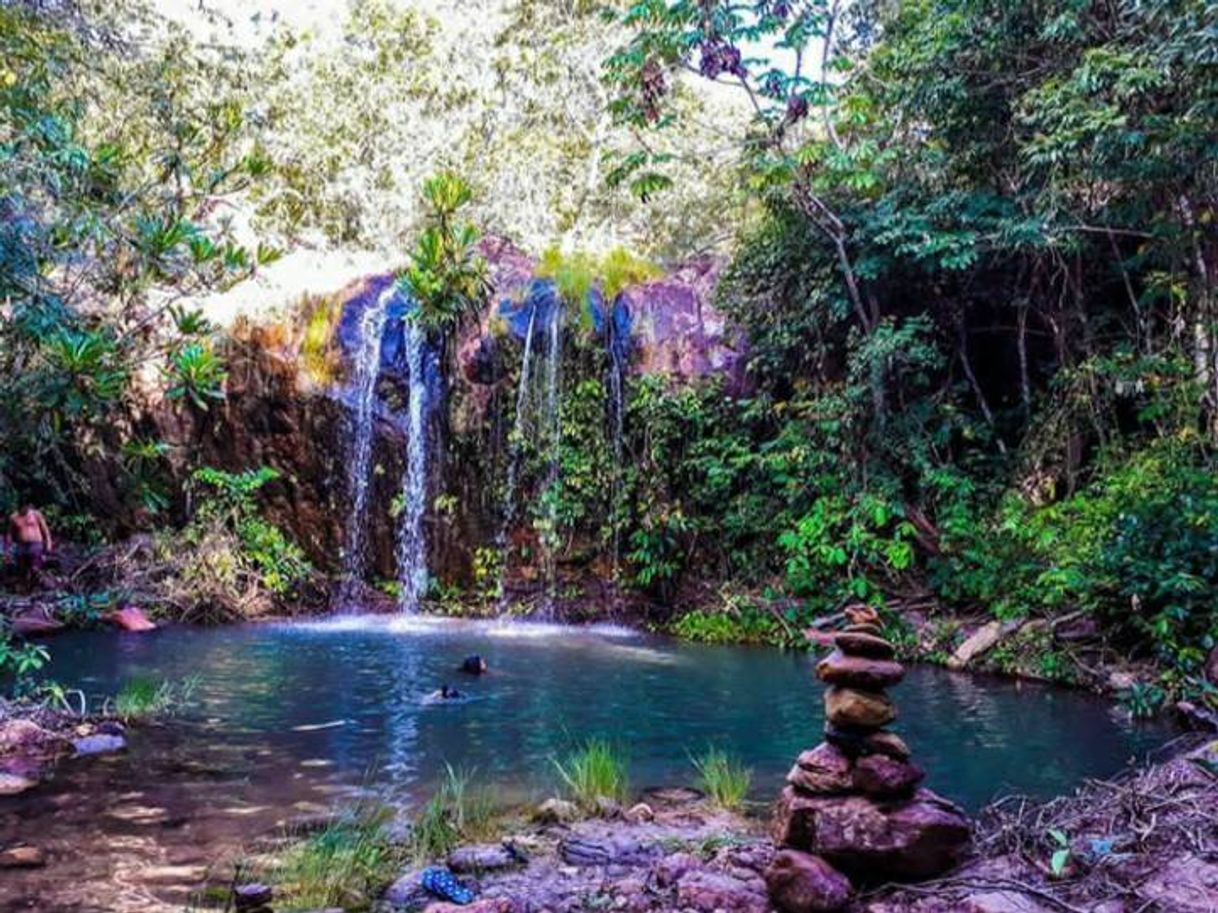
(474, 665)
(445, 693)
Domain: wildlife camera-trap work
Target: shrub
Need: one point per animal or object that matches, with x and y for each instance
(723, 778)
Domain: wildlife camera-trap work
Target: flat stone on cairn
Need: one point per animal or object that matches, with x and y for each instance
(852, 808)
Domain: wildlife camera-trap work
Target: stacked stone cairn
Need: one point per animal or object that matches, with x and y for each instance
(852, 813)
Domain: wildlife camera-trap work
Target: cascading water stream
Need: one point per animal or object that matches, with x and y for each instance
(513, 468)
(367, 370)
(412, 539)
(618, 347)
(551, 428)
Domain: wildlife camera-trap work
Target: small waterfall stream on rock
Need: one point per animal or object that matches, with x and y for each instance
(412, 539)
(363, 421)
(617, 343)
(550, 434)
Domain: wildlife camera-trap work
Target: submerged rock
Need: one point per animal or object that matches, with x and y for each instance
(803, 883)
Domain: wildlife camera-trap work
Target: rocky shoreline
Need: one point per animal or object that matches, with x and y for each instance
(673, 852)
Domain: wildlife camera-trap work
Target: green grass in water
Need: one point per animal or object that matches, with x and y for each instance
(723, 778)
(143, 698)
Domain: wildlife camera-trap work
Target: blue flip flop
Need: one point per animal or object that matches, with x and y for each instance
(440, 881)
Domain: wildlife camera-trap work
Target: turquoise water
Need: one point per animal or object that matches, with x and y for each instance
(346, 700)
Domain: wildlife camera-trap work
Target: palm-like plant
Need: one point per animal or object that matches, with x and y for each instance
(446, 275)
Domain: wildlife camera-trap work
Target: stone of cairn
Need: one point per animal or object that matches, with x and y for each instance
(852, 812)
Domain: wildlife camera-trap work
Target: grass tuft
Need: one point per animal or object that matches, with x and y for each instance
(723, 778)
(460, 810)
(593, 771)
(347, 864)
(142, 698)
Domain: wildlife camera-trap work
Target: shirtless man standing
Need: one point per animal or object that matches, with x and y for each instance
(28, 531)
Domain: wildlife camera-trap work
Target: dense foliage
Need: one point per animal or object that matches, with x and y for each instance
(981, 300)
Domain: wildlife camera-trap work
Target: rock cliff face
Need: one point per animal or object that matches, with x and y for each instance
(290, 400)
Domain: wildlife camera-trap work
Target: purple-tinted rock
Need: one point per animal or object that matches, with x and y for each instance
(858, 709)
(712, 892)
(822, 770)
(859, 672)
(920, 837)
(886, 743)
(885, 777)
(803, 883)
(867, 645)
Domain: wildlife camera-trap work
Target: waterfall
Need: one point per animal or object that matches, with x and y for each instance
(412, 538)
(551, 435)
(363, 416)
(514, 441)
(618, 345)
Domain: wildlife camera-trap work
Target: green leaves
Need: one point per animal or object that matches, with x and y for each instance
(446, 275)
(195, 375)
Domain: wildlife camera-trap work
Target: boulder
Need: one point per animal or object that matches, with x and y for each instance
(407, 892)
(23, 857)
(639, 813)
(35, 623)
(101, 743)
(822, 770)
(850, 707)
(859, 672)
(920, 837)
(885, 777)
(556, 811)
(490, 857)
(975, 644)
(252, 896)
(802, 883)
(14, 785)
(132, 619)
(713, 892)
(861, 644)
(24, 735)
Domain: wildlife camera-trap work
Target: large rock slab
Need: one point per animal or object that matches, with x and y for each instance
(490, 857)
(874, 840)
(803, 883)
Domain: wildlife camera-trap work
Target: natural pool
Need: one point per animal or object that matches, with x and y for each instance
(346, 698)
(288, 719)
